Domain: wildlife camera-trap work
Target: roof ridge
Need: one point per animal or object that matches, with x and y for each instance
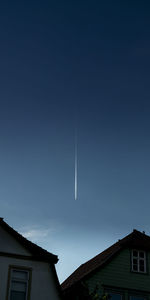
(33, 248)
(135, 238)
(93, 259)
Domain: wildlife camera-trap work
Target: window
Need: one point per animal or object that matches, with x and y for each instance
(113, 293)
(137, 297)
(138, 261)
(115, 296)
(18, 289)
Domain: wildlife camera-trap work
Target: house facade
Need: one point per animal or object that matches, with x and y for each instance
(121, 272)
(27, 272)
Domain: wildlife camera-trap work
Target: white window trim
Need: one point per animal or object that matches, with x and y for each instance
(138, 261)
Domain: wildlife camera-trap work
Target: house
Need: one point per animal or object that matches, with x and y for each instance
(121, 272)
(27, 272)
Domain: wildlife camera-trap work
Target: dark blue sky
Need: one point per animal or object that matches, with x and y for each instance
(65, 64)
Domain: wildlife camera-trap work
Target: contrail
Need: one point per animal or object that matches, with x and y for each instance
(76, 170)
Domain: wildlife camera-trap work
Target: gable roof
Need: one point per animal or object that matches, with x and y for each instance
(136, 239)
(37, 253)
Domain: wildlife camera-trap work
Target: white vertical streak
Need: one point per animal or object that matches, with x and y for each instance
(76, 170)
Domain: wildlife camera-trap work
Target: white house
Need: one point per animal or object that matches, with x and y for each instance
(27, 272)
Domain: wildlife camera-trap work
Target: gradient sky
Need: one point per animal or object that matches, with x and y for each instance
(68, 64)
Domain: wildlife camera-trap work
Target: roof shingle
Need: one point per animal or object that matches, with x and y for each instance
(134, 240)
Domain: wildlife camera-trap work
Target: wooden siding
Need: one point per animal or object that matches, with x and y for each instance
(118, 274)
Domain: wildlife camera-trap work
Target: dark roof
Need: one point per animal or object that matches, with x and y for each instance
(37, 252)
(136, 239)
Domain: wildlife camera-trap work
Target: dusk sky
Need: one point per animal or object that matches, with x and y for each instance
(69, 66)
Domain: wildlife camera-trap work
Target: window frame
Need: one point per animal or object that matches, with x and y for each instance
(138, 258)
(10, 279)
